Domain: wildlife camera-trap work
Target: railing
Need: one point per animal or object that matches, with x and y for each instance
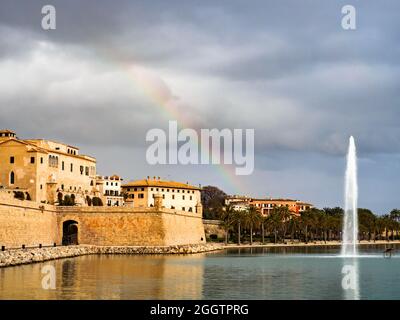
(40, 246)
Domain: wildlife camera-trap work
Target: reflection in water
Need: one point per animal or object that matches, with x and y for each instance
(109, 277)
(254, 273)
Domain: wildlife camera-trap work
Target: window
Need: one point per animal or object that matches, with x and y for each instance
(190, 209)
(173, 197)
(62, 187)
(151, 189)
(72, 167)
(134, 189)
(41, 160)
(12, 177)
(140, 195)
(32, 159)
(163, 196)
(62, 165)
(191, 198)
(183, 197)
(41, 187)
(142, 189)
(12, 159)
(183, 209)
(87, 171)
(81, 169)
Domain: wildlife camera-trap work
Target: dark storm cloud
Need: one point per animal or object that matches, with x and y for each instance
(285, 68)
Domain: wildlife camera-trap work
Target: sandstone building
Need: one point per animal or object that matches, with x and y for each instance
(45, 170)
(175, 195)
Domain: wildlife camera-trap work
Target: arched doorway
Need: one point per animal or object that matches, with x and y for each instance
(70, 233)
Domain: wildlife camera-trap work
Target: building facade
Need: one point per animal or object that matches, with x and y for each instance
(175, 195)
(265, 206)
(46, 170)
(110, 190)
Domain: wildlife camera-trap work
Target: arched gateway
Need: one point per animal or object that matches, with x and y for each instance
(70, 232)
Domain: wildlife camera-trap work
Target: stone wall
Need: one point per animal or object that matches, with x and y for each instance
(120, 226)
(214, 229)
(30, 223)
(26, 223)
(26, 256)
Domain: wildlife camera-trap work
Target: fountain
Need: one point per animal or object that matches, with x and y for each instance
(350, 223)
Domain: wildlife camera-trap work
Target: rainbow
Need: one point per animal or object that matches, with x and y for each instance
(158, 93)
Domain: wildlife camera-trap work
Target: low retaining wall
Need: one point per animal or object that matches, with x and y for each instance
(26, 256)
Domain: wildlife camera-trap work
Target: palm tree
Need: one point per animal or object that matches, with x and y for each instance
(395, 216)
(273, 223)
(228, 219)
(238, 219)
(263, 221)
(252, 219)
(294, 226)
(278, 221)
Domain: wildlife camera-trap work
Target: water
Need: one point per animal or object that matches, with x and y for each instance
(258, 273)
(350, 223)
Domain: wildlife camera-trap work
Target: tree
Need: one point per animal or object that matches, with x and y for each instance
(228, 219)
(366, 221)
(294, 226)
(395, 216)
(73, 199)
(88, 201)
(19, 195)
(68, 201)
(97, 202)
(274, 222)
(60, 198)
(213, 200)
(252, 219)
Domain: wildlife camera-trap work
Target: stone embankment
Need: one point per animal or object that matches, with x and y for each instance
(25, 256)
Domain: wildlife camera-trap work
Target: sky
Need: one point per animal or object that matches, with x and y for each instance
(113, 70)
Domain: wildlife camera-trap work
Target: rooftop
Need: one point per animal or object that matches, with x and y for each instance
(160, 183)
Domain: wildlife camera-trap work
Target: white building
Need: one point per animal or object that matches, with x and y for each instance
(110, 190)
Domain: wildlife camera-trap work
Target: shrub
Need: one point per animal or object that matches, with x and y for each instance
(60, 199)
(19, 195)
(96, 201)
(67, 201)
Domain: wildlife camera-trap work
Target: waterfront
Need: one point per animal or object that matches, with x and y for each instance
(249, 273)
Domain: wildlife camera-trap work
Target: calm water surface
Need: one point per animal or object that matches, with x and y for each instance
(257, 273)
